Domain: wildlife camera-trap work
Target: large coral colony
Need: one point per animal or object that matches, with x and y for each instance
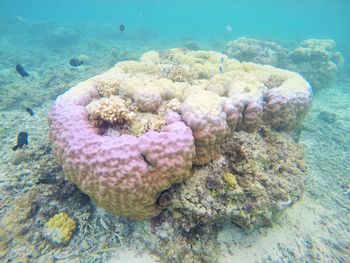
(129, 137)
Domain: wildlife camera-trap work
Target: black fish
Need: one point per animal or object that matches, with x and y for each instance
(122, 27)
(21, 71)
(30, 111)
(76, 62)
(22, 140)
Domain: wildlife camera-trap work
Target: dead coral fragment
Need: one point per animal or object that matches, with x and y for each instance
(110, 111)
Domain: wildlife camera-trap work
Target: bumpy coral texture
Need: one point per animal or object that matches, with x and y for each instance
(318, 61)
(122, 174)
(126, 173)
(257, 51)
(315, 59)
(256, 177)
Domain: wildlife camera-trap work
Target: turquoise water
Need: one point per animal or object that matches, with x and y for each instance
(43, 36)
(283, 20)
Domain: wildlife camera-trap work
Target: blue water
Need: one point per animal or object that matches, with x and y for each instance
(275, 19)
(44, 35)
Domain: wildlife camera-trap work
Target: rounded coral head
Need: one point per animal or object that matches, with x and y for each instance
(130, 133)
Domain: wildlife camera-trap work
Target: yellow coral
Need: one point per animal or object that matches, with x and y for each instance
(60, 228)
(230, 180)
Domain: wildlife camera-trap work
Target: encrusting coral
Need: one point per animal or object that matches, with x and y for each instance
(59, 229)
(181, 122)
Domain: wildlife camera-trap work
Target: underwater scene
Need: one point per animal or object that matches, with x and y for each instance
(190, 131)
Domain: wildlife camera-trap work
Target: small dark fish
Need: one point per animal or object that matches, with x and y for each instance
(122, 27)
(21, 71)
(22, 139)
(76, 62)
(221, 69)
(30, 111)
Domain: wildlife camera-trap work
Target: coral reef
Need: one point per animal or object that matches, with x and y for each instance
(256, 176)
(257, 51)
(126, 172)
(312, 230)
(181, 74)
(59, 229)
(315, 59)
(106, 88)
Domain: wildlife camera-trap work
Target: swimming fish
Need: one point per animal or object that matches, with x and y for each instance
(21, 71)
(121, 27)
(222, 59)
(221, 69)
(76, 62)
(166, 70)
(30, 111)
(22, 139)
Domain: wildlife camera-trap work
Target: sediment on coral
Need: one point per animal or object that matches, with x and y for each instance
(164, 123)
(255, 178)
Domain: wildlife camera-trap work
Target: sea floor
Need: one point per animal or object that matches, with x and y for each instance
(32, 187)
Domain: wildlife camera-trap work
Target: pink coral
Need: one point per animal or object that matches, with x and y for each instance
(125, 174)
(122, 174)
